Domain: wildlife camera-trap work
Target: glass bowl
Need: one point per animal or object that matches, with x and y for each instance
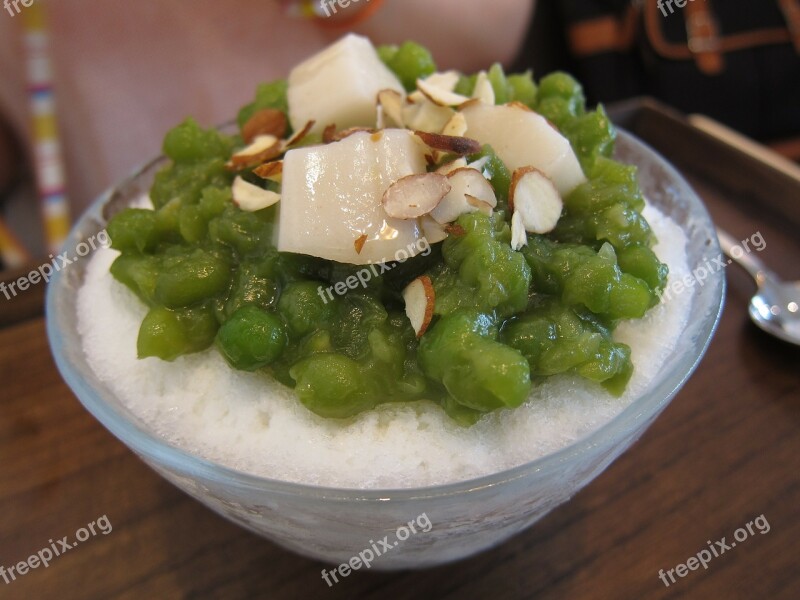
(335, 525)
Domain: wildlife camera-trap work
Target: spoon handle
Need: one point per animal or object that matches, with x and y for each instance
(746, 260)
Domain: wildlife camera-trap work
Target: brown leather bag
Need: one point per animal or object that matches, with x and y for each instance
(737, 60)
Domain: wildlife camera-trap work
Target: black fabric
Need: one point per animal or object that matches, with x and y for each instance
(758, 92)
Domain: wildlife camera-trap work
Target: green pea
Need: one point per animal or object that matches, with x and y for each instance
(252, 338)
(139, 273)
(134, 229)
(167, 334)
(189, 278)
(304, 308)
(497, 78)
(412, 62)
(188, 142)
(522, 88)
(461, 353)
(331, 385)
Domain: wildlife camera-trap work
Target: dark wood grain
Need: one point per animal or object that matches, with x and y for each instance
(726, 450)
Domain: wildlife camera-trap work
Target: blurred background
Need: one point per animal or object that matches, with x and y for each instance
(88, 89)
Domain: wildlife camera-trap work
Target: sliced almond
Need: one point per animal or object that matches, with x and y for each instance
(391, 102)
(359, 243)
(271, 170)
(446, 81)
(469, 192)
(424, 115)
(471, 181)
(449, 143)
(480, 165)
(420, 299)
(484, 91)
(416, 97)
(468, 103)
(328, 133)
(300, 135)
(479, 204)
(534, 196)
(433, 231)
(519, 105)
(263, 148)
(269, 121)
(438, 95)
(380, 118)
(519, 237)
(415, 195)
(251, 198)
(448, 168)
(456, 126)
(455, 230)
(346, 133)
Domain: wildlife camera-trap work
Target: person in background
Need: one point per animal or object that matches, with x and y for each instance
(737, 61)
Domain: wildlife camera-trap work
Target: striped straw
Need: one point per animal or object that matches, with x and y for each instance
(48, 161)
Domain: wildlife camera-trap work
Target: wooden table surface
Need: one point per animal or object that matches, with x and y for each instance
(725, 451)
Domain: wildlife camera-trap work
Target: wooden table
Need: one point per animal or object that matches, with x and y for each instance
(725, 451)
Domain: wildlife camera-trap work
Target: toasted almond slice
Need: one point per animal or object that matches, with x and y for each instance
(483, 89)
(534, 196)
(519, 237)
(448, 168)
(391, 101)
(455, 230)
(359, 243)
(269, 121)
(456, 126)
(468, 103)
(380, 117)
(415, 195)
(438, 95)
(328, 134)
(449, 143)
(251, 198)
(420, 299)
(520, 105)
(416, 97)
(346, 133)
(482, 206)
(299, 135)
(424, 115)
(446, 81)
(263, 148)
(465, 184)
(480, 165)
(471, 181)
(271, 170)
(431, 230)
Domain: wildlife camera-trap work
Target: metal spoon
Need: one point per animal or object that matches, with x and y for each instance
(776, 306)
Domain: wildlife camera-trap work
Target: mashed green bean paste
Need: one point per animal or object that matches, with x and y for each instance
(503, 319)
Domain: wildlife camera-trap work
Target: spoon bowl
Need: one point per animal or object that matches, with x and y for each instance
(775, 307)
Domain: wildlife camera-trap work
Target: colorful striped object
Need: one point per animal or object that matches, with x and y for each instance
(48, 161)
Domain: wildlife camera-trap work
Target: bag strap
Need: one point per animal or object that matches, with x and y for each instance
(791, 12)
(604, 34)
(707, 43)
(702, 34)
